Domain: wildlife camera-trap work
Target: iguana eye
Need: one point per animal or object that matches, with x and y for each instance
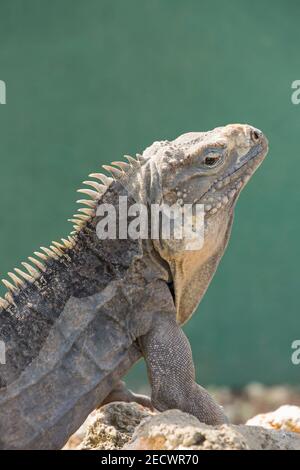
(212, 160)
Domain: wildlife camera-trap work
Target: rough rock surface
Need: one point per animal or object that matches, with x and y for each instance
(286, 417)
(130, 426)
(176, 430)
(113, 425)
(239, 405)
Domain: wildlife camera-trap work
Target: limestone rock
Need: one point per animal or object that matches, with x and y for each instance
(113, 425)
(131, 426)
(176, 430)
(286, 417)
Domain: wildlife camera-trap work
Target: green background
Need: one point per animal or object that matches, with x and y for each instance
(88, 81)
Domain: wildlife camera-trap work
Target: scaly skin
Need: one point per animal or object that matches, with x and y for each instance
(90, 308)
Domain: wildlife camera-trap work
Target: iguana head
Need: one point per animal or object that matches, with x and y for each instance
(209, 168)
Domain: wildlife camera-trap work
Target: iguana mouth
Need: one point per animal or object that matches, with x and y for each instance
(248, 161)
(233, 180)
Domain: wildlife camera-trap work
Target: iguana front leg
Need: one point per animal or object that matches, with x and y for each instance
(171, 372)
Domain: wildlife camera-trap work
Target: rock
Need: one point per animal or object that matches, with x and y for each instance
(113, 425)
(130, 426)
(76, 439)
(174, 430)
(286, 417)
(239, 404)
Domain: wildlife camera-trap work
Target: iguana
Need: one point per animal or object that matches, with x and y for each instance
(87, 309)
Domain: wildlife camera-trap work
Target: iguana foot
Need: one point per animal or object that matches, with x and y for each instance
(171, 372)
(121, 393)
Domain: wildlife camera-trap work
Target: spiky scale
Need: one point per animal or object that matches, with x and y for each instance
(3, 303)
(100, 188)
(32, 271)
(58, 245)
(72, 239)
(41, 255)
(133, 162)
(48, 252)
(18, 282)
(100, 176)
(37, 263)
(88, 212)
(123, 165)
(9, 298)
(73, 221)
(114, 171)
(24, 275)
(82, 217)
(56, 250)
(89, 192)
(9, 286)
(87, 202)
(66, 243)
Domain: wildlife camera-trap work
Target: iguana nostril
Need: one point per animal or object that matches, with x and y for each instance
(255, 136)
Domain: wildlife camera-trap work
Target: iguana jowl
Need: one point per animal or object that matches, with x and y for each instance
(88, 309)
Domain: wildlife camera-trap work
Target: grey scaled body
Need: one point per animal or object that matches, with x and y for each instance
(87, 309)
